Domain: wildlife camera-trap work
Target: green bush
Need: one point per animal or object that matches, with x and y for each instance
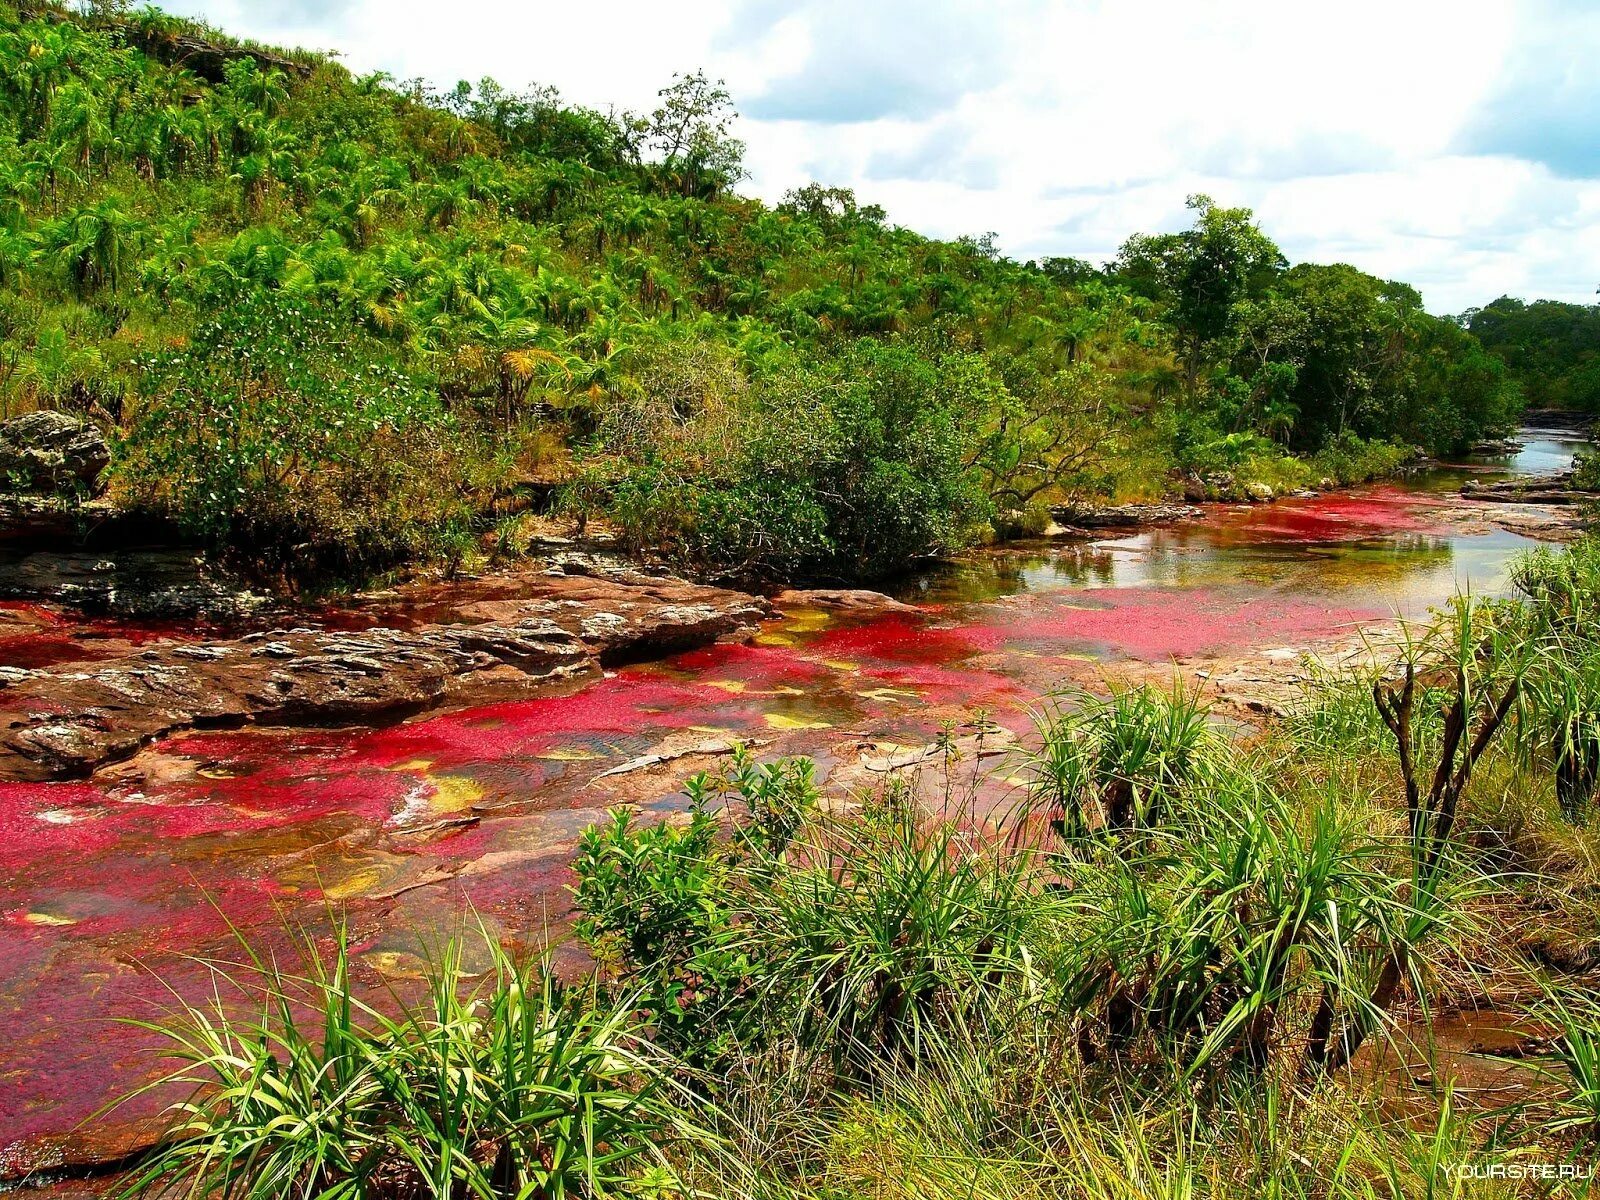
(849, 469)
(517, 1088)
(666, 906)
(280, 430)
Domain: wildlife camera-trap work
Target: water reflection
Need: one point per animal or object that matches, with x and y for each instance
(1400, 547)
(1545, 450)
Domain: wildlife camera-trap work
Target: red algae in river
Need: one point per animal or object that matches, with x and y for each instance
(1161, 623)
(1337, 518)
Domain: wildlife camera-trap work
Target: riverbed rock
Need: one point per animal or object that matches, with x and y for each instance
(847, 601)
(48, 451)
(60, 723)
(1555, 488)
(168, 583)
(65, 721)
(1258, 493)
(1123, 516)
(620, 613)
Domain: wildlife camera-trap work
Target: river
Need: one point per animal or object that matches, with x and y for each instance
(104, 884)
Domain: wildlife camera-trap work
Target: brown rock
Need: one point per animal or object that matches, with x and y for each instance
(50, 451)
(1534, 489)
(1123, 516)
(66, 721)
(848, 600)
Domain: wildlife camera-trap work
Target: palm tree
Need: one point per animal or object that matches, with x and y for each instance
(79, 123)
(447, 202)
(92, 245)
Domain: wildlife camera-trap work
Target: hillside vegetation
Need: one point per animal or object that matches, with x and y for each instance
(336, 323)
(1552, 349)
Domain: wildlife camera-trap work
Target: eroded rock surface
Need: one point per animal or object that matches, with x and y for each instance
(1123, 516)
(853, 601)
(51, 451)
(169, 583)
(505, 637)
(1557, 488)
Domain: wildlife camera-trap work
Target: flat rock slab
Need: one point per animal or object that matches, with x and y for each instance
(159, 583)
(66, 721)
(849, 601)
(1123, 516)
(1556, 489)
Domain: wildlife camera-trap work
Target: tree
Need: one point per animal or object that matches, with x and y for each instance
(688, 137)
(92, 246)
(1201, 275)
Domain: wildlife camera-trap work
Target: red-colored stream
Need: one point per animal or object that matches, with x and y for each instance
(105, 885)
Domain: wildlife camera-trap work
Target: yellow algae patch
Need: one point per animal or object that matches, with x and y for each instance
(570, 754)
(414, 764)
(395, 963)
(710, 729)
(357, 883)
(44, 918)
(782, 721)
(215, 771)
(892, 749)
(773, 639)
(805, 620)
(452, 793)
(837, 664)
(889, 695)
(728, 685)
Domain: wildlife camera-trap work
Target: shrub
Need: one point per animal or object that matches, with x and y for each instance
(894, 929)
(1558, 716)
(1110, 763)
(516, 1088)
(848, 938)
(850, 469)
(666, 906)
(280, 431)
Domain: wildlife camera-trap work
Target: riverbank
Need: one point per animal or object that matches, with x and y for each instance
(1481, 1001)
(110, 881)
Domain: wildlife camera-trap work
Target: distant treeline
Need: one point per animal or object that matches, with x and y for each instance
(1551, 348)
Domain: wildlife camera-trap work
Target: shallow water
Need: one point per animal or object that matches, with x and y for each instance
(104, 882)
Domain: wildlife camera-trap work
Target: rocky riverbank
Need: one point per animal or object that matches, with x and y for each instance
(491, 639)
(1558, 488)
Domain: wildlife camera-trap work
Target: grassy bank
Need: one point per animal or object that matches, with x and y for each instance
(1176, 962)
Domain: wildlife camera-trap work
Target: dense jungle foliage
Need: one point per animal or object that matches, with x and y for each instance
(337, 322)
(1551, 348)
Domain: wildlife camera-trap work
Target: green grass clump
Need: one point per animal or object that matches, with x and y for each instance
(516, 1087)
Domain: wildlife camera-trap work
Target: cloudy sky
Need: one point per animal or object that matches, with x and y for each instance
(1454, 144)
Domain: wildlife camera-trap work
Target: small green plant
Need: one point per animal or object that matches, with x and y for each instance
(894, 928)
(1558, 719)
(1576, 1071)
(1470, 665)
(666, 906)
(519, 1087)
(1112, 762)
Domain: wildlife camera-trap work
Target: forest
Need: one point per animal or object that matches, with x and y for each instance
(1552, 349)
(334, 324)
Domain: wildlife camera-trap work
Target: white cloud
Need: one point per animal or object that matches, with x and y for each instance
(1356, 130)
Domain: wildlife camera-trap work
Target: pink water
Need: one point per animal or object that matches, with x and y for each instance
(106, 885)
